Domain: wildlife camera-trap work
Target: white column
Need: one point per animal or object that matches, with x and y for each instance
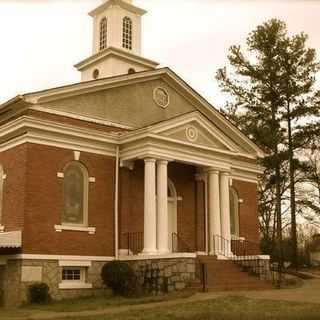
(162, 206)
(225, 208)
(214, 211)
(150, 216)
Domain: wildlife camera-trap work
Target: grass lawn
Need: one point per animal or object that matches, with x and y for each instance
(96, 303)
(222, 308)
(226, 308)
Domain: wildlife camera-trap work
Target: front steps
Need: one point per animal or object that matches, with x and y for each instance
(226, 275)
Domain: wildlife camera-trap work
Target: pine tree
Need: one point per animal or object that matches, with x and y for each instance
(273, 102)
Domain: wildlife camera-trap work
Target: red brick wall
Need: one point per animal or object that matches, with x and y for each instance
(14, 166)
(249, 225)
(183, 177)
(33, 202)
(44, 204)
(131, 207)
(200, 215)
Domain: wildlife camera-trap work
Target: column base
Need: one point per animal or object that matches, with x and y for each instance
(149, 252)
(164, 251)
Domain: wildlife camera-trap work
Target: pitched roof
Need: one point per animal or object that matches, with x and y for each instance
(112, 51)
(122, 4)
(166, 74)
(10, 239)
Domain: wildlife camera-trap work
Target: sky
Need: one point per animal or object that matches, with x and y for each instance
(41, 40)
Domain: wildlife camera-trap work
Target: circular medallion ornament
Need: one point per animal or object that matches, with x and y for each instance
(95, 74)
(192, 134)
(161, 97)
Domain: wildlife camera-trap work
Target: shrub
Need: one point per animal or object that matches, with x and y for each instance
(38, 293)
(120, 277)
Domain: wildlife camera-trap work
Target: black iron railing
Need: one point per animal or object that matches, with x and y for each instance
(204, 277)
(179, 244)
(133, 242)
(242, 252)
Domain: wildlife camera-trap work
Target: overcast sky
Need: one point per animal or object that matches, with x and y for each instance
(41, 40)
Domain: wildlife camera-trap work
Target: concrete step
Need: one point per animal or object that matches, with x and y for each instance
(226, 275)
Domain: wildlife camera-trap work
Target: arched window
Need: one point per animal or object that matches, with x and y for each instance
(127, 33)
(234, 212)
(1, 191)
(172, 193)
(103, 33)
(75, 194)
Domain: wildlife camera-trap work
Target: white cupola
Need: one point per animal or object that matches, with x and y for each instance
(116, 42)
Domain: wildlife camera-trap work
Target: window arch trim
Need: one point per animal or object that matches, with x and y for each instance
(235, 215)
(73, 202)
(2, 179)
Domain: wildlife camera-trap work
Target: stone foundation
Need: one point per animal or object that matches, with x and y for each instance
(15, 289)
(157, 276)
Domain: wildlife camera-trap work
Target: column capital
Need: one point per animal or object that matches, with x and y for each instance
(152, 160)
(163, 161)
(225, 173)
(213, 171)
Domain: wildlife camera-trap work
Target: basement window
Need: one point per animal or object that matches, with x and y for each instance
(74, 278)
(73, 274)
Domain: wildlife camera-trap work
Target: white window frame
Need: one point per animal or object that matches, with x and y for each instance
(236, 205)
(103, 33)
(2, 179)
(75, 284)
(78, 226)
(127, 33)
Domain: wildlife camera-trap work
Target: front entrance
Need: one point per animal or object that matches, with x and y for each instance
(172, 216)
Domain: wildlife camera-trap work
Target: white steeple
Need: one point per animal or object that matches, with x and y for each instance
(116, 41)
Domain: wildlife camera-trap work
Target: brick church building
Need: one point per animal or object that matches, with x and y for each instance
(130, 164)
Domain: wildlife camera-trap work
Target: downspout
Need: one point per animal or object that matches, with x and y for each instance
(116, 206)
(206, 222)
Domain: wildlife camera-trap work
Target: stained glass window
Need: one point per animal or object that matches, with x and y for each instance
(75, 191)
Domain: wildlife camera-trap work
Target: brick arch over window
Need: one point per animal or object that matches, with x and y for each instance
(127, 33)
(234, 212)
(103, 33)
(75, 194)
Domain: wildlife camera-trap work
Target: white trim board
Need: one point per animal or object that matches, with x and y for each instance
(74, 286)
(157, 256)
(74, 263)
(77, 116)
(26, 256)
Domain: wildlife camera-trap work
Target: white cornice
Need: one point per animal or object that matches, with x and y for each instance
(157, 129)
(167, 75)
(26, 256)
(123, 4)
(29, 130)
(116, 52)
(38, 131)
(92, 86)
(55, 127)
(77, 116)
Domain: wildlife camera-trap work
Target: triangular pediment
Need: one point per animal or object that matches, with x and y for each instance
(130, 100)
(197, 130)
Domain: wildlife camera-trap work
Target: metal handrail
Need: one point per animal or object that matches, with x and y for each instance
(134, 242)
(243, 252)
(179, 244)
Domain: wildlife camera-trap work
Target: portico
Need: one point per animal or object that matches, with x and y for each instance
(215, 167)
(156, 231)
